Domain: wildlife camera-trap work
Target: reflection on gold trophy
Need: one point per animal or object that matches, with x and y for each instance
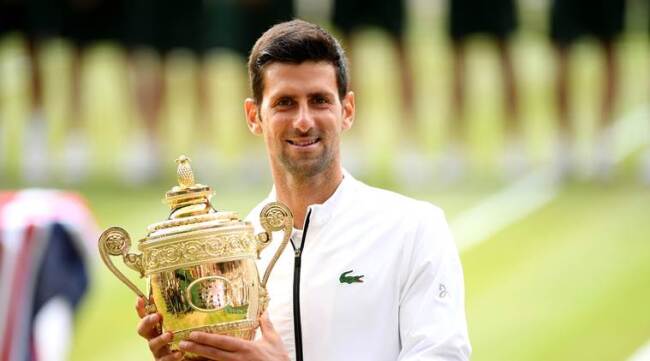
(200, 262)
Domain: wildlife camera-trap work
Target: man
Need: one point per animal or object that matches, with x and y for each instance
(497, 20)
(570, 21)
(26, 140)
(391, 17)
(372, 275)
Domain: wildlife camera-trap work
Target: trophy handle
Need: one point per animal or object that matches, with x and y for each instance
(274, 217)
(115, 241)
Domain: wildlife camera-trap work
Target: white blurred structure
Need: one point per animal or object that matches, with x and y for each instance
(44, 251)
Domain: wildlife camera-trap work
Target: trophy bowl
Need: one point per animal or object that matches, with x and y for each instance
(199, 263)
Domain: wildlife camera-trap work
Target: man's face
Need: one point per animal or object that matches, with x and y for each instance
(301, 117)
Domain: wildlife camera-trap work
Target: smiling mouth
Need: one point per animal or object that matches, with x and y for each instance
(303, 142)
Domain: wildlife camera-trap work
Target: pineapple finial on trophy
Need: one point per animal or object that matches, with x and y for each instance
(184, 172)
(187, 198)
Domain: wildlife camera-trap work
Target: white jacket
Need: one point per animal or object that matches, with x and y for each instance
(409, 304)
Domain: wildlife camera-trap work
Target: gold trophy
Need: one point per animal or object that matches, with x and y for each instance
(200, 262)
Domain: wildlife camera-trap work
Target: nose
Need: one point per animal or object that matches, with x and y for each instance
(304, 120)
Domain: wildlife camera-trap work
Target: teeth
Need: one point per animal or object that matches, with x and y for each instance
(303, 143)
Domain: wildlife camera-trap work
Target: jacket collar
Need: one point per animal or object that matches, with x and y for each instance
(321, 213)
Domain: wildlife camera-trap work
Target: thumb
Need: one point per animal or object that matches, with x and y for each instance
(266, 325)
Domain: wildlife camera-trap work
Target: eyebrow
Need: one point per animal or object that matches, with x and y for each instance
(292, 95)
(320, 93)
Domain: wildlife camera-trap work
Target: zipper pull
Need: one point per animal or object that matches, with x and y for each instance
(297, 252)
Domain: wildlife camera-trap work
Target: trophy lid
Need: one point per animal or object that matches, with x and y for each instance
(190, 207)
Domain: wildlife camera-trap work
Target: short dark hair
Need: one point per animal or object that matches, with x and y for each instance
(295, 42)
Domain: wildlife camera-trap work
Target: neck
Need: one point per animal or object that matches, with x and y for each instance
(299, 192)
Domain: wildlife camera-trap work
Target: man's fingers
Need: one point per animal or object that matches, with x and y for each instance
(159, 345)
(226, 343)
(139, 307)
(268, 331)
(266, 325)
(209, 352)
(174, 356)
(148, 326)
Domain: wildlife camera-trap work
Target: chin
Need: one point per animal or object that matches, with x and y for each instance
(306, 168)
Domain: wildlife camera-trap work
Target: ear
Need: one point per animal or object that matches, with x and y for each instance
(252, 119)
(348, 111)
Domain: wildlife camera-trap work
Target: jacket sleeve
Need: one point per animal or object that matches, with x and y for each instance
(432, 307)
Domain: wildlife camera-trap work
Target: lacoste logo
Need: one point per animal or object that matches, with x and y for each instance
(350, 279)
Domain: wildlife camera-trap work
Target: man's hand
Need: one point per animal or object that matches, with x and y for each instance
(226, 348)
(149, 328)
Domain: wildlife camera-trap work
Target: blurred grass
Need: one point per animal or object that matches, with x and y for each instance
(569, 283)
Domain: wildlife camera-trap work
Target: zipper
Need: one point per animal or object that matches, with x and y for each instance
(297, 327)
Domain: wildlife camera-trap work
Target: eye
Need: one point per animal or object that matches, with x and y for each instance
(284, 102)
(320, 100)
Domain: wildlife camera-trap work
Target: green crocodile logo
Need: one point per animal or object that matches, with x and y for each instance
(350, 279)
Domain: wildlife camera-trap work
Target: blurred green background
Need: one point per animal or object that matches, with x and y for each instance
(566, 279)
